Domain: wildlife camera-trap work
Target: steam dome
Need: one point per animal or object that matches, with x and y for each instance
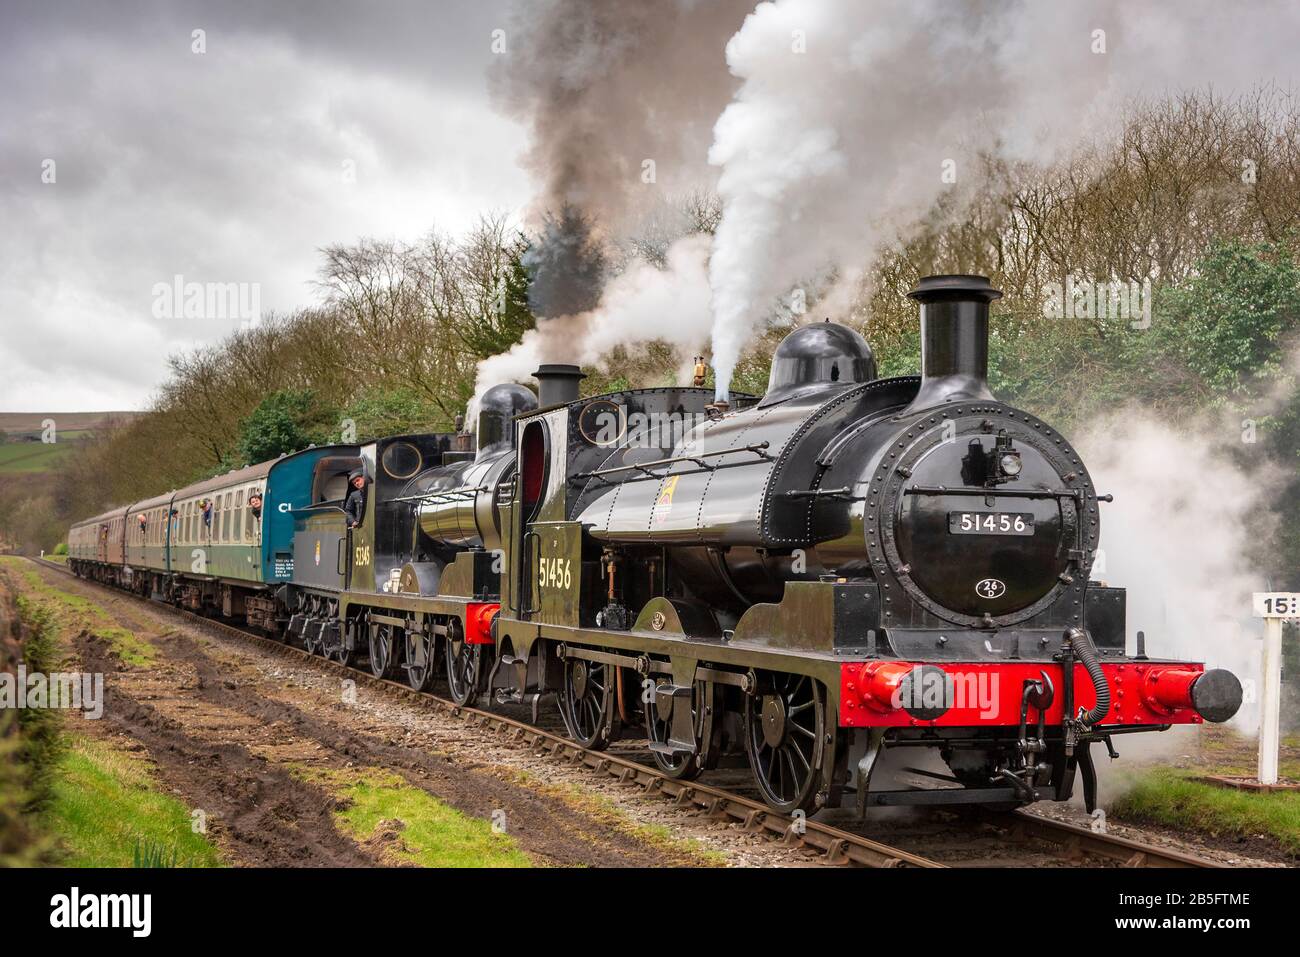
(496, 413)
(818, 356)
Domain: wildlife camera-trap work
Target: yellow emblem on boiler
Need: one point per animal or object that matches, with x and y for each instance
(318, 551)
(664, 503)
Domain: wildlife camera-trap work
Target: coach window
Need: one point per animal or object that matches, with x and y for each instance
(250, 520)
(237, 532)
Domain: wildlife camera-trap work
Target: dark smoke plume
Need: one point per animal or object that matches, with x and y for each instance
(620, 97)
(605, 85)
(566, 267)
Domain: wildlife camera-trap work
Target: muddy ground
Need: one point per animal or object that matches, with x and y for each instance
(226, 723)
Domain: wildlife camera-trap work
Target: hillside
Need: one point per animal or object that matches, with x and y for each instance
(21, 448)
(11, 422)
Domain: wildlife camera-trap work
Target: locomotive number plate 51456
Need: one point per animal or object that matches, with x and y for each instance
(991, 523)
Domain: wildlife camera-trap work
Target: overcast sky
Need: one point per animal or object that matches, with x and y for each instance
(226, 166)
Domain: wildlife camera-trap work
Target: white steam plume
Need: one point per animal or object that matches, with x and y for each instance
(1180, 538)
(849, 113)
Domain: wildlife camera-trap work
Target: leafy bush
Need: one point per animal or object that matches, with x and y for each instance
(283, 422)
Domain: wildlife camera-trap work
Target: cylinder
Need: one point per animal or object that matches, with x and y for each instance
(954, 338)
(558, 384)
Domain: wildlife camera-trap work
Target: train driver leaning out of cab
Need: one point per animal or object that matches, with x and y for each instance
(354, 508)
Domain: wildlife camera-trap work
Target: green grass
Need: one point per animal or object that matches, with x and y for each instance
(106, 811)
(1225, 752)
(23, 457)
(1170, 797)
(31, 743)
(72, 614)
(429, 832)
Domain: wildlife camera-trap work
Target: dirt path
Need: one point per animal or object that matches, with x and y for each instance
(228, 724)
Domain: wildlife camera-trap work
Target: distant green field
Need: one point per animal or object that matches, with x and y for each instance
(33, 456)
(21, 457)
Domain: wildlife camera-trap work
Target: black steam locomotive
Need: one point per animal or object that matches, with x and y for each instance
(844, 570)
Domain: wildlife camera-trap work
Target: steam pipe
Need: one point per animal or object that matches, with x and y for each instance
(1081, 641)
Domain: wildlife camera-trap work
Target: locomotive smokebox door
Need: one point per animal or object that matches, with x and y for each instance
(554, 560)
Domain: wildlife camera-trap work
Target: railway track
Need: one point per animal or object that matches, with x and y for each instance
(837, 846)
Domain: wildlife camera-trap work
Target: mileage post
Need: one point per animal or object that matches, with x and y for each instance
(1275, 608)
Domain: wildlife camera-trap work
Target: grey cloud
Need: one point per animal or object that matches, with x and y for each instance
(224, 167)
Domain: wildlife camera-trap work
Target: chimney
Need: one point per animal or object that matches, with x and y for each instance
(954, 338)
(558, 384)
